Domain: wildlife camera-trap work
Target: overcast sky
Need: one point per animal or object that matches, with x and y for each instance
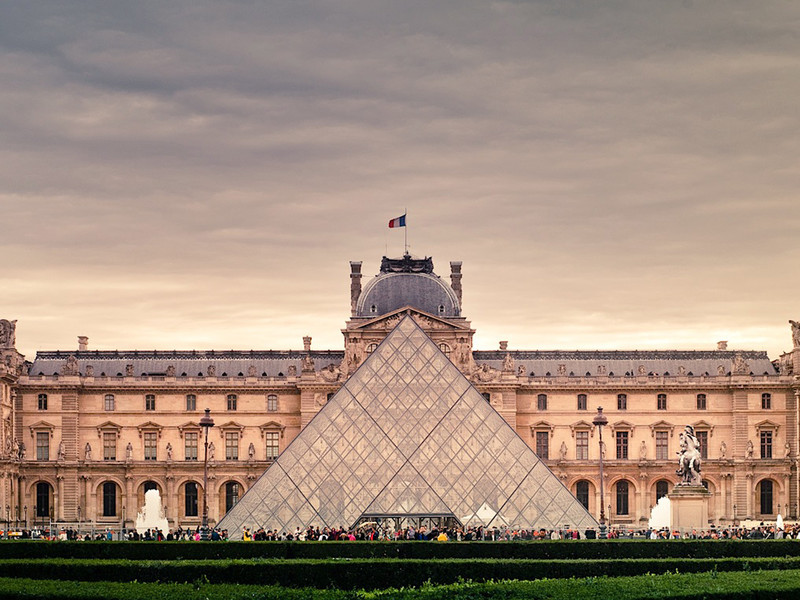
(193, 174)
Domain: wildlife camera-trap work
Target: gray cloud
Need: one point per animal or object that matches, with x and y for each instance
(613, 174)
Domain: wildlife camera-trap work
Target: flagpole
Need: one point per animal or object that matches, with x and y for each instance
(405, 232)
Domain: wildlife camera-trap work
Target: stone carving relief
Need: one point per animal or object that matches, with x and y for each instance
(681, 370)
(787, 450)
(562, 369)
(521, 371)
(128, 370)
(320, 399)
(212, 452)
(508, 363)
(129, 452)
(723, 449)
(170, 370)
(7, 333)
(391, 322)
(720, 371)
(331, 373)
(643, 451)
(212, 370)
(169, 452)
(308, 364)
(562, 451)
(251, 371)
(641, 370)
(89, 371)
(292, 371)
(601, 369)
(740, 367)
(70, 366)
(496, 399)
(749, 452)
(795, 333)
(251, 452)
(485, 373)
(61, 451)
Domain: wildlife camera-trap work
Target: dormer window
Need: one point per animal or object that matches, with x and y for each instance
(441, 309)
(373, 309)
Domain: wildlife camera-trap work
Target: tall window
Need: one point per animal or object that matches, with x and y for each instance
(272, 403)
(701, 401)
(766, 496)
(232, 401)
(582, 403)
(662, 489)
(109, 499)
(191, 402)
(661, 402)
(543, 444)
(42, 401)
(190, 498)
(190, 445)
(541, 402)
(622, 444)
(231, 445)
(766, 401)
(581, 445)
(42, 445)
(622, 401)
(109, 402)
(582, 493)
(443, 347)
(150, 445)
(150, 402)
(109, 446)
(702, 437)
(662, 445)
(42, 499)
(231, 495)
(766, 444)
(622, 497)
(273, 444)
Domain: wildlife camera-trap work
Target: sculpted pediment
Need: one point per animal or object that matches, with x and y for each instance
(426, 321)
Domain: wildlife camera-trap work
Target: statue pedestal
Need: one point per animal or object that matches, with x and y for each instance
(689, 507)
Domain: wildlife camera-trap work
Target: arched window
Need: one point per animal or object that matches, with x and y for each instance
(109, 499)
(445, 349)
(43, 499)
(232, 401)
(541, 402)
(149, 485)
(622, 402)
(582, 493)
(582, 402)
(766, 496)
(231, 495)
(622, 497)
(109, 402)
(190, 497)
(42, 401)
(372, 347)
(272, 403)
(662, 489)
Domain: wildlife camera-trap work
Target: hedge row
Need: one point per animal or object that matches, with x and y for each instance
(554, 550)
(370, 574)
(739, 586)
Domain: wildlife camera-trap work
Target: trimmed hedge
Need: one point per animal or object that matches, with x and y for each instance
(552, 550)
(739, 586)
(370, 574)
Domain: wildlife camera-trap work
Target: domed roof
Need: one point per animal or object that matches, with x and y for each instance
(407, 281)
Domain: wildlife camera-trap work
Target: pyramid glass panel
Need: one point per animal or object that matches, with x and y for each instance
(406, 435)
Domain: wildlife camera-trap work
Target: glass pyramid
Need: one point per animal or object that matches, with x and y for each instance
(407, 435)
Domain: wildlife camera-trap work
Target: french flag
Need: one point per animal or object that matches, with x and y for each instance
(398, 222)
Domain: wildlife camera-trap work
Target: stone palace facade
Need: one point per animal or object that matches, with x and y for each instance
(86, 432)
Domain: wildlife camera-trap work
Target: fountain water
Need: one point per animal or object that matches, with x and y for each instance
(661, 515)
(152, 514)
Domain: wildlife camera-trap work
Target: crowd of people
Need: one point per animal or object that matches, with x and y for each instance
(422, 533)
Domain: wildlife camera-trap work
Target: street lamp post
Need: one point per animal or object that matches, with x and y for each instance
(206, 423)
(599, 420)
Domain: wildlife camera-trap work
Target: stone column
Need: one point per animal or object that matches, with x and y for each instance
(750, 492)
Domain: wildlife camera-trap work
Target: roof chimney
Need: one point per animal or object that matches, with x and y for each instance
(355, 284)
(504, 345)
(722, 345)
(83, 343)
(306, 343)
(455, 278)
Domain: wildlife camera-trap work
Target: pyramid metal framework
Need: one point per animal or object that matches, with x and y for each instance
(407, 436)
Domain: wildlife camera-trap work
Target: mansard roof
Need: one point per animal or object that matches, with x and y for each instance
(620, 362)
(155, 362)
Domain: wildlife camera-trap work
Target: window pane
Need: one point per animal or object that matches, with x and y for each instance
(150, 402)
(622, 497)
(766, 497)
(109, 402)
(622, 402)
(582, 493)
(42, 445)
(150, 445)
(701, 401)
(232, 401)
(190, 445)
(662, 445)
(702, 437)
(541, 402)
(109, 499)
(662, 402)
(272, 403)
(190, 492)
(582, 445)
(766, 444)
(662, 489)
(543, 444)
(622, 444)
(231, 495)
(582, 402)
(191, 402)
(766, 401)
(231, 446)
(273, 441)
(109, 446)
